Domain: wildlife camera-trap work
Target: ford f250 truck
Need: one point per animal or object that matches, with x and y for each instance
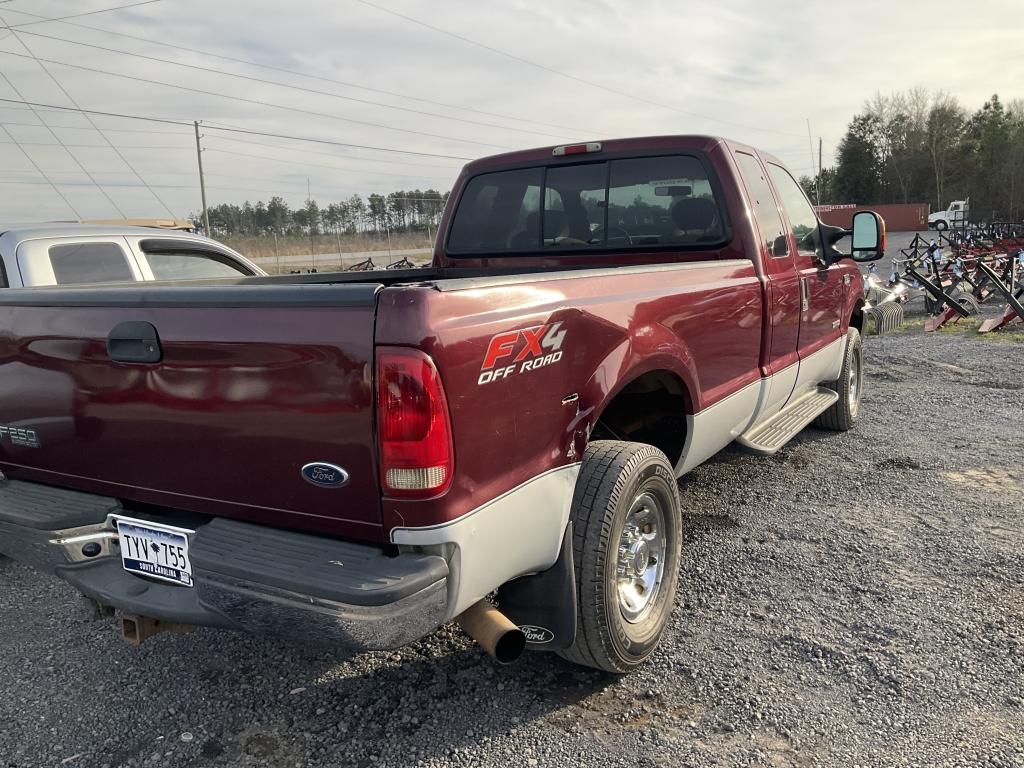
(357, 459)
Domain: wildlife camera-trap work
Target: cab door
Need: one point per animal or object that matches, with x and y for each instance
(822, 288)
(780, 349)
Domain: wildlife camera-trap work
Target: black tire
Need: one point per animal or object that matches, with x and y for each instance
(941, 226)
(614, 477)
(967, 301)
(964, 298)
(843, 413)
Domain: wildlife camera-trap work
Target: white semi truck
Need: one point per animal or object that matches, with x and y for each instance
(955, 215)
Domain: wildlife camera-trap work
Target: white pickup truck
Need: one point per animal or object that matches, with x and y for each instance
(53, 254)
(956, 214)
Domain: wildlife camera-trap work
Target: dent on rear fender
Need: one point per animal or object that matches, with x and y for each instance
(648, 349)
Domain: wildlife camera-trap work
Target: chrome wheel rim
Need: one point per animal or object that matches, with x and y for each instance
(640, 564)
(854, 384)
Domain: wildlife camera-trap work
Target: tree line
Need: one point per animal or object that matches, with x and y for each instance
(921, 147)
(402, 211)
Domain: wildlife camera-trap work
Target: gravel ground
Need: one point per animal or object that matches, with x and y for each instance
(856, 599)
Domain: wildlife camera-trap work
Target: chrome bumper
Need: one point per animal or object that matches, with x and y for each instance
(377, 602)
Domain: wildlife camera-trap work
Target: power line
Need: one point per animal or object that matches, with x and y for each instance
(84, 128)
(60, 141)
(42, 173)
(320, 165)
(334, 155)
(94, 146)
(247, 131)
(297, 73)
(163, 173)
(89, 119)
(279, 84)
(302, 194)
(61, 108)
(256, 102)
(80, 15)
(566, 75)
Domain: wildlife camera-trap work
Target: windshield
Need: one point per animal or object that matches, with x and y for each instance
(617, 204)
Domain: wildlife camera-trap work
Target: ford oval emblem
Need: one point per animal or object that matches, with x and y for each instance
(537, 635)
(325, 475)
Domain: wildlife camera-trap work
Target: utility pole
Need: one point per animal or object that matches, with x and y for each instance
(202, 181)
(817, 186)
(309, 199)
(817, 180)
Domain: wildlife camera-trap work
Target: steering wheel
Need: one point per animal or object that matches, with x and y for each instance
(601, 233)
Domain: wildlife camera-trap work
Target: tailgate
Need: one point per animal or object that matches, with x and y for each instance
(253, 384)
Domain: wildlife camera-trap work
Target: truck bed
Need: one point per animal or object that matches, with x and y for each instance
(257, 378)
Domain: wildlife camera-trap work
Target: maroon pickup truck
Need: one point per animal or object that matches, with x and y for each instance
(359, 458)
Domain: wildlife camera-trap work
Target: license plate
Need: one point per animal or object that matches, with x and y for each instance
(154, 550)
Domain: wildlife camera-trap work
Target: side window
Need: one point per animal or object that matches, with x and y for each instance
(192, 265)
(575, 200)
(78, 263)
(498, 212)
(661, 200)
(802, 218)
(765, 209)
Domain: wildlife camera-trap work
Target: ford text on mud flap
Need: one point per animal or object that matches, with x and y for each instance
(358, 458)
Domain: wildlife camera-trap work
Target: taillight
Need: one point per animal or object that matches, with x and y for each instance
(413, 428)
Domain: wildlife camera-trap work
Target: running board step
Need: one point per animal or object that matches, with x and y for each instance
(768, 437)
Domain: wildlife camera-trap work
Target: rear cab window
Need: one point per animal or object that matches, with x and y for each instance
(657, 202)
(84, 263)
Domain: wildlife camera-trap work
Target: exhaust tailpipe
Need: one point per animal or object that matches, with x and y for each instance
(137, 629)
(493, 631)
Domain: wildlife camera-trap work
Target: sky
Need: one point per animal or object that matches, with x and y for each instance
(452, 81)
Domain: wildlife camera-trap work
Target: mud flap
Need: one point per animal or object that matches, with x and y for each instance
(544, 605)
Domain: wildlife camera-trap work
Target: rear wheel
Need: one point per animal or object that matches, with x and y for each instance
(843, 413)
(626, 545)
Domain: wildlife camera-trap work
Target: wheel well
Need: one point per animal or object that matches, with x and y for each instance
(857, 317)
(650, 409)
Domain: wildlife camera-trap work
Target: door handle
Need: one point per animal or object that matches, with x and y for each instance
(805, 292)
(134, 341)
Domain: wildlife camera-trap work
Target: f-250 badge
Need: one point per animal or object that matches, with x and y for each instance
(26, 438)
(515, 352)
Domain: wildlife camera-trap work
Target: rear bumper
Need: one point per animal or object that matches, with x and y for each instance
(247, 577)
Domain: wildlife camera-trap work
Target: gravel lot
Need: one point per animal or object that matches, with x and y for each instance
(856, 599)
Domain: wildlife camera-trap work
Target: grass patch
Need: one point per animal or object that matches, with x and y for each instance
(964, 327)
(292, 245)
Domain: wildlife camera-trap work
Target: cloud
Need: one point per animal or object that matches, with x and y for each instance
(752, 70)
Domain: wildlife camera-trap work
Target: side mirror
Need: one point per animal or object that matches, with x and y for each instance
(868, 236)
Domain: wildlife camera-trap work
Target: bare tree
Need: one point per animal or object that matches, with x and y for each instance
(945, 126)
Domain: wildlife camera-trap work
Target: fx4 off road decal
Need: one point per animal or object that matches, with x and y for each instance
(515, 352)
